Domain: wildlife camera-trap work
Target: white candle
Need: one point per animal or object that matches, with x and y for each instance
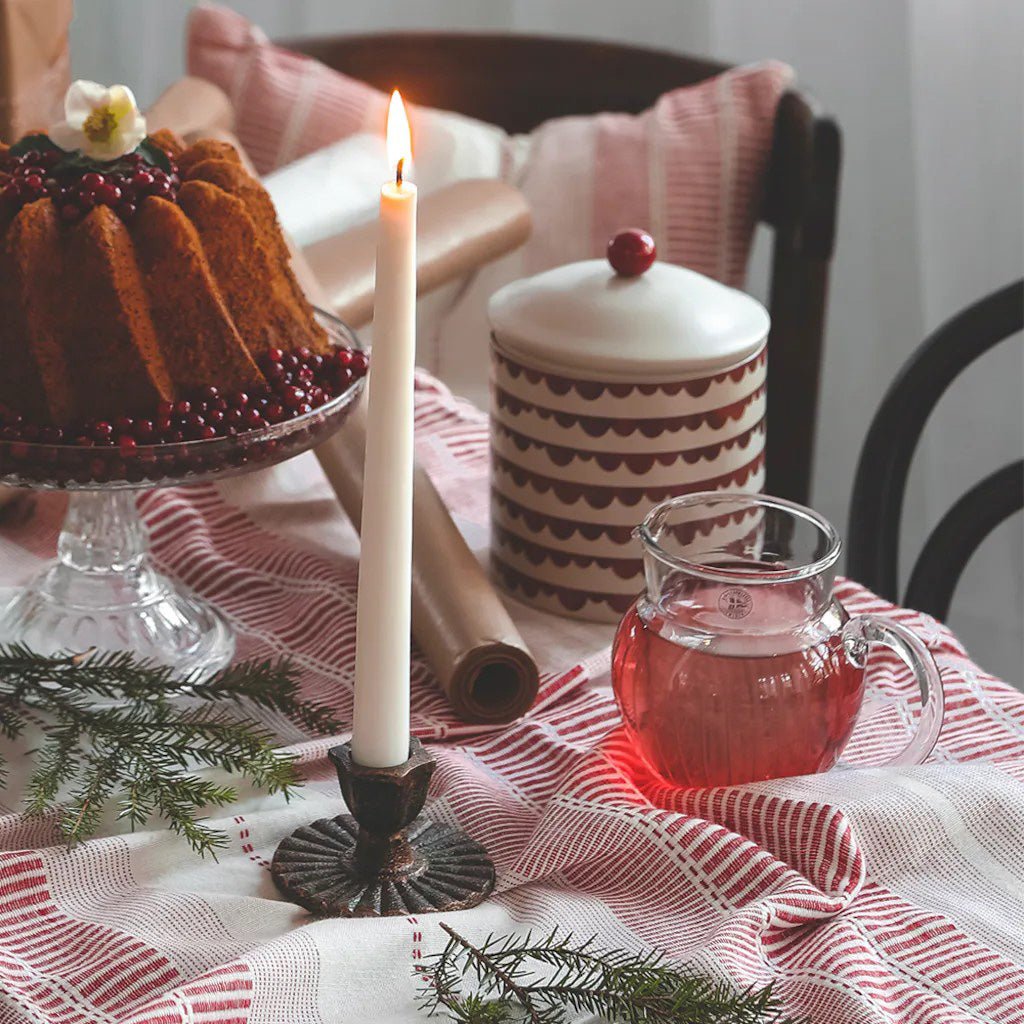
(380, 727)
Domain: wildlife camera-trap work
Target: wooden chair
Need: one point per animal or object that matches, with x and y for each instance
(518, 81)
(877, 504)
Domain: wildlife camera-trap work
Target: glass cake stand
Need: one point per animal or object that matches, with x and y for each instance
(103, 591)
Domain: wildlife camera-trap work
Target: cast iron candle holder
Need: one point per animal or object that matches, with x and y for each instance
(384, 859)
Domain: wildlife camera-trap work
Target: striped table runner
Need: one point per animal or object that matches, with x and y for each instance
(864, 895)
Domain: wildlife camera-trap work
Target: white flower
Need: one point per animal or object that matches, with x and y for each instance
(103, 123)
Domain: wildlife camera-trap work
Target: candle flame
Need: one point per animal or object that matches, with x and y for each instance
(399, 139)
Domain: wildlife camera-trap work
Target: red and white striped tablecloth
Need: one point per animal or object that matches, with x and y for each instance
(864, 895)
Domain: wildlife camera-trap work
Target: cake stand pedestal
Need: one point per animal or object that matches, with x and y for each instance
(103, 591)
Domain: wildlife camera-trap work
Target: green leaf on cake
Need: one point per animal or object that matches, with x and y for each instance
(38, 141)
(77, 162)
(154, 155)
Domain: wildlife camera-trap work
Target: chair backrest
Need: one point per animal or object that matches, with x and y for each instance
(879, 486)
(518, 81)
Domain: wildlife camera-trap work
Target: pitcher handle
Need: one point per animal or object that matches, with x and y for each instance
(863, 630)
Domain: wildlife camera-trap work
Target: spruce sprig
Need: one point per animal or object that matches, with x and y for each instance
(518, 979)
(143, 750)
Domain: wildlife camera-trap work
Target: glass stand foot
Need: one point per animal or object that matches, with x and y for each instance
(103, 592)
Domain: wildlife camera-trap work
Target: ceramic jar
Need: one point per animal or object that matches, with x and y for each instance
(608, 395)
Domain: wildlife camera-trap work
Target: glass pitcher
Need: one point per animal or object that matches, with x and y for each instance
(737, 663)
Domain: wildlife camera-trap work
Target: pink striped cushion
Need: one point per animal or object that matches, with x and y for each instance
(286, 104)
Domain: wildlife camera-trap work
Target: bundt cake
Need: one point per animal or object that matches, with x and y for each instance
(130, 285)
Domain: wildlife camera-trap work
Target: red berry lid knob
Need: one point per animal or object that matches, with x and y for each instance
(631, 252)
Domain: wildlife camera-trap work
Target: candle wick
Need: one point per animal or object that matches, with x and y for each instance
(398, 171)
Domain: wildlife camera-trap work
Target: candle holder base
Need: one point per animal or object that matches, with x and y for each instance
(372, 863)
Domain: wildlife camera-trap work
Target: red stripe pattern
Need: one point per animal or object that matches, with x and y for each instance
(864, 895)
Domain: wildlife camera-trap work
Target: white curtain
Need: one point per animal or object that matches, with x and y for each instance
(928, 95)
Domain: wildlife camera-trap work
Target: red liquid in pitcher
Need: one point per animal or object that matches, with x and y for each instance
(769, 696)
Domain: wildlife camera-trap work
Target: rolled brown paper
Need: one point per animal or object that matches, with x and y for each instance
(192, 106)
(459, 622)
(459, 229)
(458, 619)
(34, 64)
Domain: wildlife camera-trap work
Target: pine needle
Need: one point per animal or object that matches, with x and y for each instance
(141, 753)
(553, 980)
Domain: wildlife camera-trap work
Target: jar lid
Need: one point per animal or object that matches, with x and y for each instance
(586, 320)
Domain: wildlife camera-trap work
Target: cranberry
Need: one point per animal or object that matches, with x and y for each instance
(142, 180)
(234, 418)
(127, 444)
(144, 430)
(275, 412)
(210, 393)
(92, 180)
(102, 432)
(108, 195)
(303, 409)
(293, 397)
(274, 355)
(124, 424)
(290, 361)
(631, 252)
(182, 408)
(252, 419)
(34, 182)
(207, 433)
(164, 409)
(274, 371)
(238, 400)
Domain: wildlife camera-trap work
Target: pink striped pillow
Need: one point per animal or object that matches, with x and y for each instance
(286, 104)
